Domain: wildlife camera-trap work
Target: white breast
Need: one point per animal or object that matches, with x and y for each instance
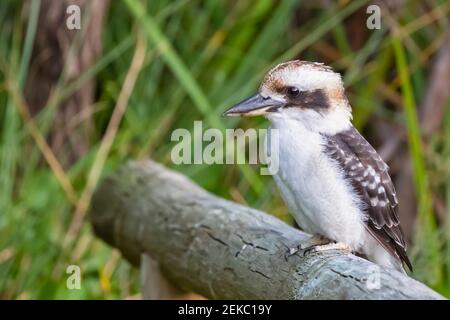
(313, 186)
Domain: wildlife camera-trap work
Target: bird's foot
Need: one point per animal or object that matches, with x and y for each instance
(331, 246)
(314, 241)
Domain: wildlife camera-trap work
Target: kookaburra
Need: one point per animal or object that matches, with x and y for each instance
(332, 180)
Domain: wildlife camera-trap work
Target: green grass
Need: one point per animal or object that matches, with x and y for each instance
(427, 232)
(202, 56)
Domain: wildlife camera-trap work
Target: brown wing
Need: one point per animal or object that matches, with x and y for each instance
(369, 177)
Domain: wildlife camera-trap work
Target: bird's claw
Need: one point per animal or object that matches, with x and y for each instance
(292, 251)
(317, 243)
(305, 247)
(330, 246)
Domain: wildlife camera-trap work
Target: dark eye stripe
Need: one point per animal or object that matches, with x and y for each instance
(315, 99)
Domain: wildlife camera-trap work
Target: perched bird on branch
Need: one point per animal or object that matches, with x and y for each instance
(333, 181)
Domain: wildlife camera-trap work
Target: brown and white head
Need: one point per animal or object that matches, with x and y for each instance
(309, 92)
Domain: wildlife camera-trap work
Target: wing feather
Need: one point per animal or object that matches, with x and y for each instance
(369, 176)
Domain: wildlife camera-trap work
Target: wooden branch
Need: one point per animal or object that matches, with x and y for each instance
(223, 250)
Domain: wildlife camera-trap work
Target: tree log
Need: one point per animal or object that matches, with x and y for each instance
(224, 250)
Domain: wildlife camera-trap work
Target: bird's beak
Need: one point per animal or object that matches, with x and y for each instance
(254, 106)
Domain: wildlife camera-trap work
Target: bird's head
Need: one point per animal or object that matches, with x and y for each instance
(301, 91)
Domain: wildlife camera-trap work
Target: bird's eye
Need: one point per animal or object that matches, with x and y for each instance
(292, 91)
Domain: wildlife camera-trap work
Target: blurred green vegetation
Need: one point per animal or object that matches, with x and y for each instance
(200, 58)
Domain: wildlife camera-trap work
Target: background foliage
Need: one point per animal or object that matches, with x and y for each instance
(167, 63)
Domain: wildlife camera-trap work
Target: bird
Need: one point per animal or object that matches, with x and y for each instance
(333, 182)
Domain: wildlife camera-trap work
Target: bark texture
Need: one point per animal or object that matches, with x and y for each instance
(223, 250)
